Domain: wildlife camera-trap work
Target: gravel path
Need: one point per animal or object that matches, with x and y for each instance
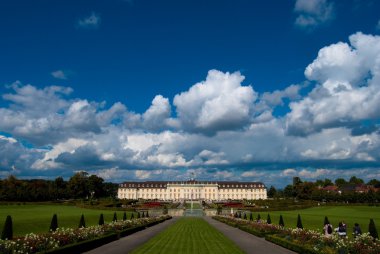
(129, 243)
(249, 243)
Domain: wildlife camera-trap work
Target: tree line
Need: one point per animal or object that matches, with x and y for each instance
(80, 186)
(344, 190)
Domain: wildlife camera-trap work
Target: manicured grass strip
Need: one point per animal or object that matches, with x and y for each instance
(37, 218)
(189, 235)
(312, 218)
(196, 205)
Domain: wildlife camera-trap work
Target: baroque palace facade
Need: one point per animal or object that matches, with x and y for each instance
(192, 190)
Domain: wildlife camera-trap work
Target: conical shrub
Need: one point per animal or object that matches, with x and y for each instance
(147, 214)
(124, 216)
(299, 222)
(82, 223)
(101, 219)
(269, 221)
(372, 229)
(236, 215)
(251, 217)
(54, 223)
(8, 229)
(114, 217)
(258, 217)
(326, 221)
(138, 215)
(281, 222)
(245, 216)
(132, 216)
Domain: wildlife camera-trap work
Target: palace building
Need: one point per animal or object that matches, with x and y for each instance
(192, 190)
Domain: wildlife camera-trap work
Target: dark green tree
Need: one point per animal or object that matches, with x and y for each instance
(326, 221)
(251, 217)
(372, 229)
(258, 217)
(165, 211)
(7, 229)
(236, 215)
(299, 222)
(355, 181)
(82, 223)
(124, 216)
(143, 215)
(54, 223)
(132, 216)
(138, 215)
(245, 216)
(269, 221)
(239, 215)
(147, 214)
(281, 222)
(114, 217)
(272, 192)
(101, 219)
(219, 210)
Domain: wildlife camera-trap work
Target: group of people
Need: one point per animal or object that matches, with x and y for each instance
(341, 230)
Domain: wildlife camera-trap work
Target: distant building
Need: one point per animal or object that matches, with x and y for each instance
(192, 190)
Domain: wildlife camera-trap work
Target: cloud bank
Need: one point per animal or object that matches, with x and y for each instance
(219, 129)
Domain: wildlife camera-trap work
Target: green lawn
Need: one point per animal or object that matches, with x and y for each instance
(189, 235)
(313, 218)
(37, 218)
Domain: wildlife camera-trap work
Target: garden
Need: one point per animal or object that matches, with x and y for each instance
(304, 240)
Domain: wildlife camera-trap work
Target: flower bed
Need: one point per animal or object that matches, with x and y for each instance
(32, 243)
(304, 240)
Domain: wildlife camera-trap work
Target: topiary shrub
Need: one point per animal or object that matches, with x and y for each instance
(251, 217)
(132, 216)
(82, 223)
(138, 215)
(7, 229)
(372, 229)
(143, 215)
(165, 211)
(245, 216)
(326, 221)
(147, 214)
(236, 215)
(281, 222)
(124, 216)
(54, 223)
(114, 217)
(299, 222)
(101, 219)
(269, 221)
(258, 217)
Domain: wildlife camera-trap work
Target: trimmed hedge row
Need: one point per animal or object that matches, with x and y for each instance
(87, 245)
(290, 245)
(245, 228)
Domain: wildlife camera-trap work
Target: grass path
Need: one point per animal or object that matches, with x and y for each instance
(37, 218)
(189, 235)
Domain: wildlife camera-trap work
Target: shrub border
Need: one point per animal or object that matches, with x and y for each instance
(290, 245)
(83, 246)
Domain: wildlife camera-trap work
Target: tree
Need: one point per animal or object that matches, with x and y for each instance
(147, 214)
(281, 222)
(7, 229)
(272, 192)
(374, 182)
(289, 191)
(143, 215)
(101, 219)
(372, 229)
(245, 216)
(269, 221)
(355, 181)
(299, 222)
(251, 217)
(132, 216)
(114, 217)
(258, 217)
(78, 185)
(124, 216)
(138, 215)
(340, 182)
(326, 221)
(219, 210)
(82, 223)
(54, 223)
(165, 211)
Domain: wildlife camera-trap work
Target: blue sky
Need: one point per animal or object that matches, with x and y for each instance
(227, 90)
